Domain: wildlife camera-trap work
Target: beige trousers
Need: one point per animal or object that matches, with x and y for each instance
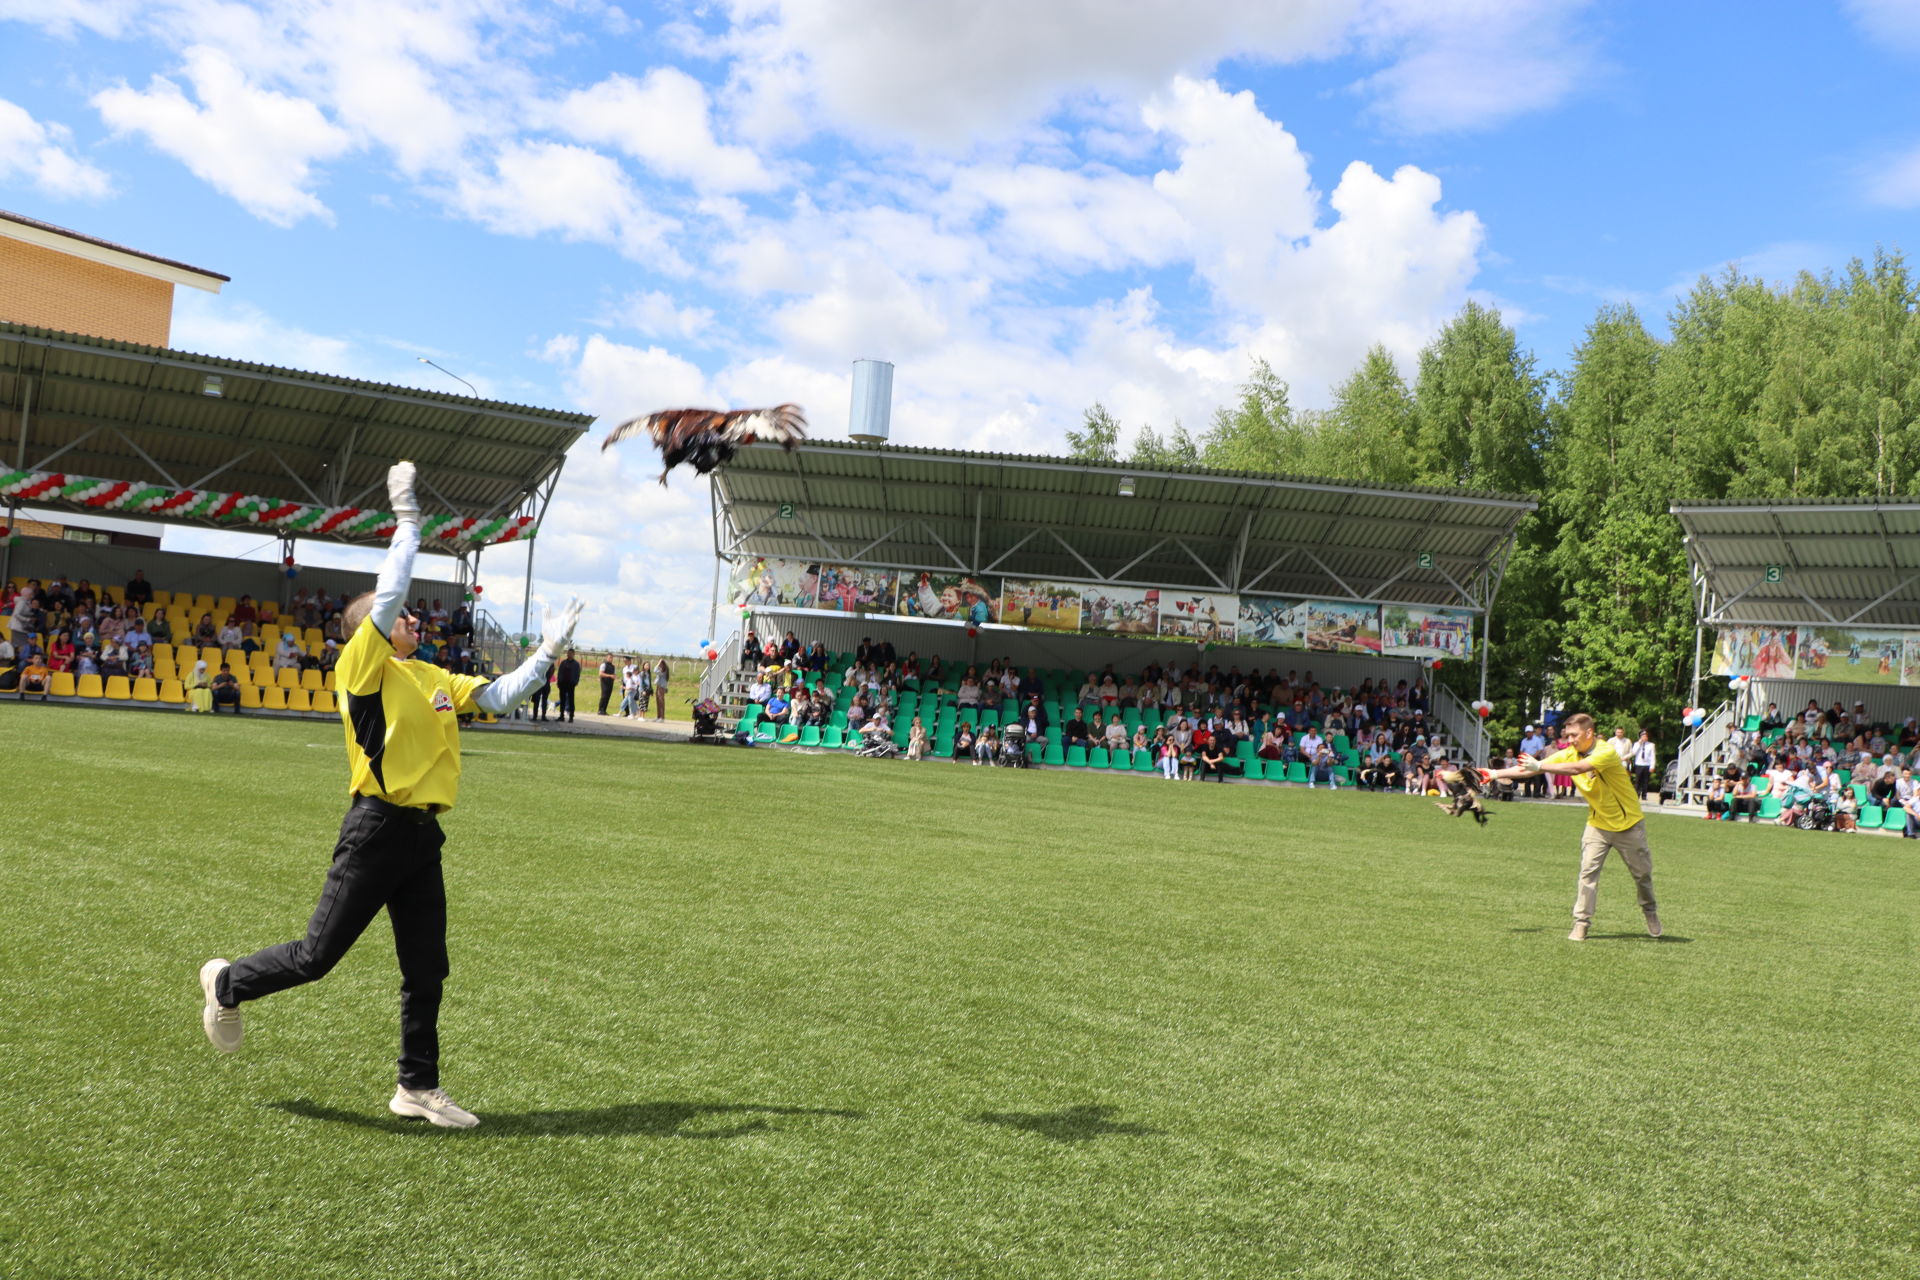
(1594, 846)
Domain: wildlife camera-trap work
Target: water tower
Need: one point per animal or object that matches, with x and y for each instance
(871, 416)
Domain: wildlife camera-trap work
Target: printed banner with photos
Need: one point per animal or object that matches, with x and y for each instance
(1764, 653)
(1120, 611)
(1273, 620)
(1187, 615)
(1334, 626)
(1406, 631)
(1844, 655)
(1038, 605)
(765, 582)
(947, 597)
(846, 588)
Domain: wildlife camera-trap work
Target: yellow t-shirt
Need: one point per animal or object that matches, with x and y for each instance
(403, 741)
(1608, 790)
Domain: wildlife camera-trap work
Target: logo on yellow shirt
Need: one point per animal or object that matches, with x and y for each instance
(441, 702)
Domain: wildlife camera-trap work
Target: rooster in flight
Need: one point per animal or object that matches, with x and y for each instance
(710, 437)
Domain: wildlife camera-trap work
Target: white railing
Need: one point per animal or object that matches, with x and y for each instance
(1467, 728)
(714, 679)
(1697, 748)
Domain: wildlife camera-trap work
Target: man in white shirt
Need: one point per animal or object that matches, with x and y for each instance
(1642, 762)
(1310, 745)
(1535, 745)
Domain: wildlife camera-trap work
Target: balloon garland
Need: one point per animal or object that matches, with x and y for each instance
(358, 524)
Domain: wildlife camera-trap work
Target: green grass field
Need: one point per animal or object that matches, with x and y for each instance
(754, 1014)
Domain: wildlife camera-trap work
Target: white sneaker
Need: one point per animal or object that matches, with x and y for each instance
(433, 1106)
(1579, 933)
(222, 1025)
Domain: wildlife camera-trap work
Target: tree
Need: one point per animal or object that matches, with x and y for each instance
(1150, 452)
(1368, 434)
(1099, 438)
(1258, 432)
(1479, 415)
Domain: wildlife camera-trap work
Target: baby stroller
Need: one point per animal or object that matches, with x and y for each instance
(877, 741)
(1817, 816)
(706, 721)
(1013, 749)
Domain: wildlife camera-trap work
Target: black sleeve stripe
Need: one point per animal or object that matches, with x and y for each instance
(369, 718)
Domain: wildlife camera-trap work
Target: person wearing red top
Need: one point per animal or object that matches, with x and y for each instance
(244, 612)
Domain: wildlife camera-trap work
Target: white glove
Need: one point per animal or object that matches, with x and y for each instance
(557, 628)
(400, 492)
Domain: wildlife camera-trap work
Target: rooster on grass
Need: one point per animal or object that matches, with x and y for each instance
(710, 437)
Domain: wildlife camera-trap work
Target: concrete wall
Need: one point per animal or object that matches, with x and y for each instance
(41, 286)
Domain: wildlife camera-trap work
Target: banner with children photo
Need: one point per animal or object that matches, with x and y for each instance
(1043, 606)
(1198, 616)
(1409, 632)
(759, 582)
(1764, 653)
(1121, 611)
(846, 588)
(1273, 620)
(1844, 655)
(1334, 626)
(946, 596)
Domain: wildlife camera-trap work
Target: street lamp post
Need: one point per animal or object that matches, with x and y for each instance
(456, 377)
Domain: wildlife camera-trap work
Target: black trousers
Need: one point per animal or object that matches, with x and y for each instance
(1641, 776)
(566, 701)
(606, 693)
(537, 704)
(382, 860)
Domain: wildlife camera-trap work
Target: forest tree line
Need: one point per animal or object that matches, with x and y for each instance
(1804, 390)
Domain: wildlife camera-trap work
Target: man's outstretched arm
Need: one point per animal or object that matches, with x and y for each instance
(502, 695)
(396, 571)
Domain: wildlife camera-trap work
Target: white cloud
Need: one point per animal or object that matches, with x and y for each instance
(663, 121)
(253, 144)
(656, 315)
(539, 187)
(1895, 181)
(1465, 64)
(41, 153)
(1895, 22)
(66, 18)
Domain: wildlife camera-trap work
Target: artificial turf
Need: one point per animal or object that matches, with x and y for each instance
(753, 1013)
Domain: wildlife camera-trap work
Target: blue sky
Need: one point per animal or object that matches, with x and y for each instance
(1027, 206)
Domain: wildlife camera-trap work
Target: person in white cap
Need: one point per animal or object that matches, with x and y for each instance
(1533, 743)
(403, 753)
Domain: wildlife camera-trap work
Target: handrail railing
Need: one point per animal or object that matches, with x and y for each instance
(1467, 728)
(714, 678)
(1698, 747)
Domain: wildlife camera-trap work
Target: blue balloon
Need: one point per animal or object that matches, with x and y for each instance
(293, 573)
(704, 644)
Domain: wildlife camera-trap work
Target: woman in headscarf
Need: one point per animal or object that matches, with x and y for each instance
(199, 688)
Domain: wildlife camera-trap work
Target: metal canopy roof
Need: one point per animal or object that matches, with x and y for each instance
(1842, 562)
(1051, 518)
(96, 407)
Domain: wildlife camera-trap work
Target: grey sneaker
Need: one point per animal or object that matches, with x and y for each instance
(221, 1023)
(1579, 933)
(1653, 924)
(433, 1106)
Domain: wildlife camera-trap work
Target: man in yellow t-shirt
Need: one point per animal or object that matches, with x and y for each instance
(1614, 819)
(403, 763)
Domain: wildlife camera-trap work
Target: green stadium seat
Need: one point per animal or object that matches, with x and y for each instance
(1859, 793)
(1751, 724)
(1053, 755)
(1076, 757)
(1098, 758)
(1297, 771)
(810, 736)
(990, 719)
(1872, 816)
(943, 744)
(1770, 808)
(763, 731)
(1143, 761)
(1034, 752)
(836, 735)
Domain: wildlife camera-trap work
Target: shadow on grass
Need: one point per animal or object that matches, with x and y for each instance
(1617, 937)
(636, 1119)
(1075, 1124)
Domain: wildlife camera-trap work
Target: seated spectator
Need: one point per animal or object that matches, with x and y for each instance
(245, 612)
(1270, 746)
(1880, 789)
(138, 590)
(1320, 768)
(1415, 764)
(86, 663)
(110, 625)
(917, 740)
(113, 660)
(199, 687)
(1379, 773)
(1076, 732)
(140, 661)
(963, 741)
(36, 677)
(437, 619)
(159, 627)
(984, 747)
(1116, 735)
(1213, 760)
(230, 635)
(226, 690)
(85, 597)
(760, 690)
(1140, 741)
(968, 694)
(286, 655)
(61, 653)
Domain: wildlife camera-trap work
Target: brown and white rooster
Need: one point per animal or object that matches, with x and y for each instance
(710, 437)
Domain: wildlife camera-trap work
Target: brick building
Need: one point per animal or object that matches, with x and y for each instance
(54, 278)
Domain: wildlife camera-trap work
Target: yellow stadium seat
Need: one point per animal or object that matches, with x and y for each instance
(184, 655)
(250, 697)
(314, 638)
(330, 682)
(62, 684)
(145, 689)
(269, 634)
(288, 678)
(119, 688)
(162, 650)
(234, 658)
(323, 701)
(310, 680)
(172, 691)
(163, 669)
(203, 604)
(162, 598)
(88, 687)
(224, 605)
(299, 700)
(274, 699)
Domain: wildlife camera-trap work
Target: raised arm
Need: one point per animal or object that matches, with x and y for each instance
(396, 572)
(502, 695)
